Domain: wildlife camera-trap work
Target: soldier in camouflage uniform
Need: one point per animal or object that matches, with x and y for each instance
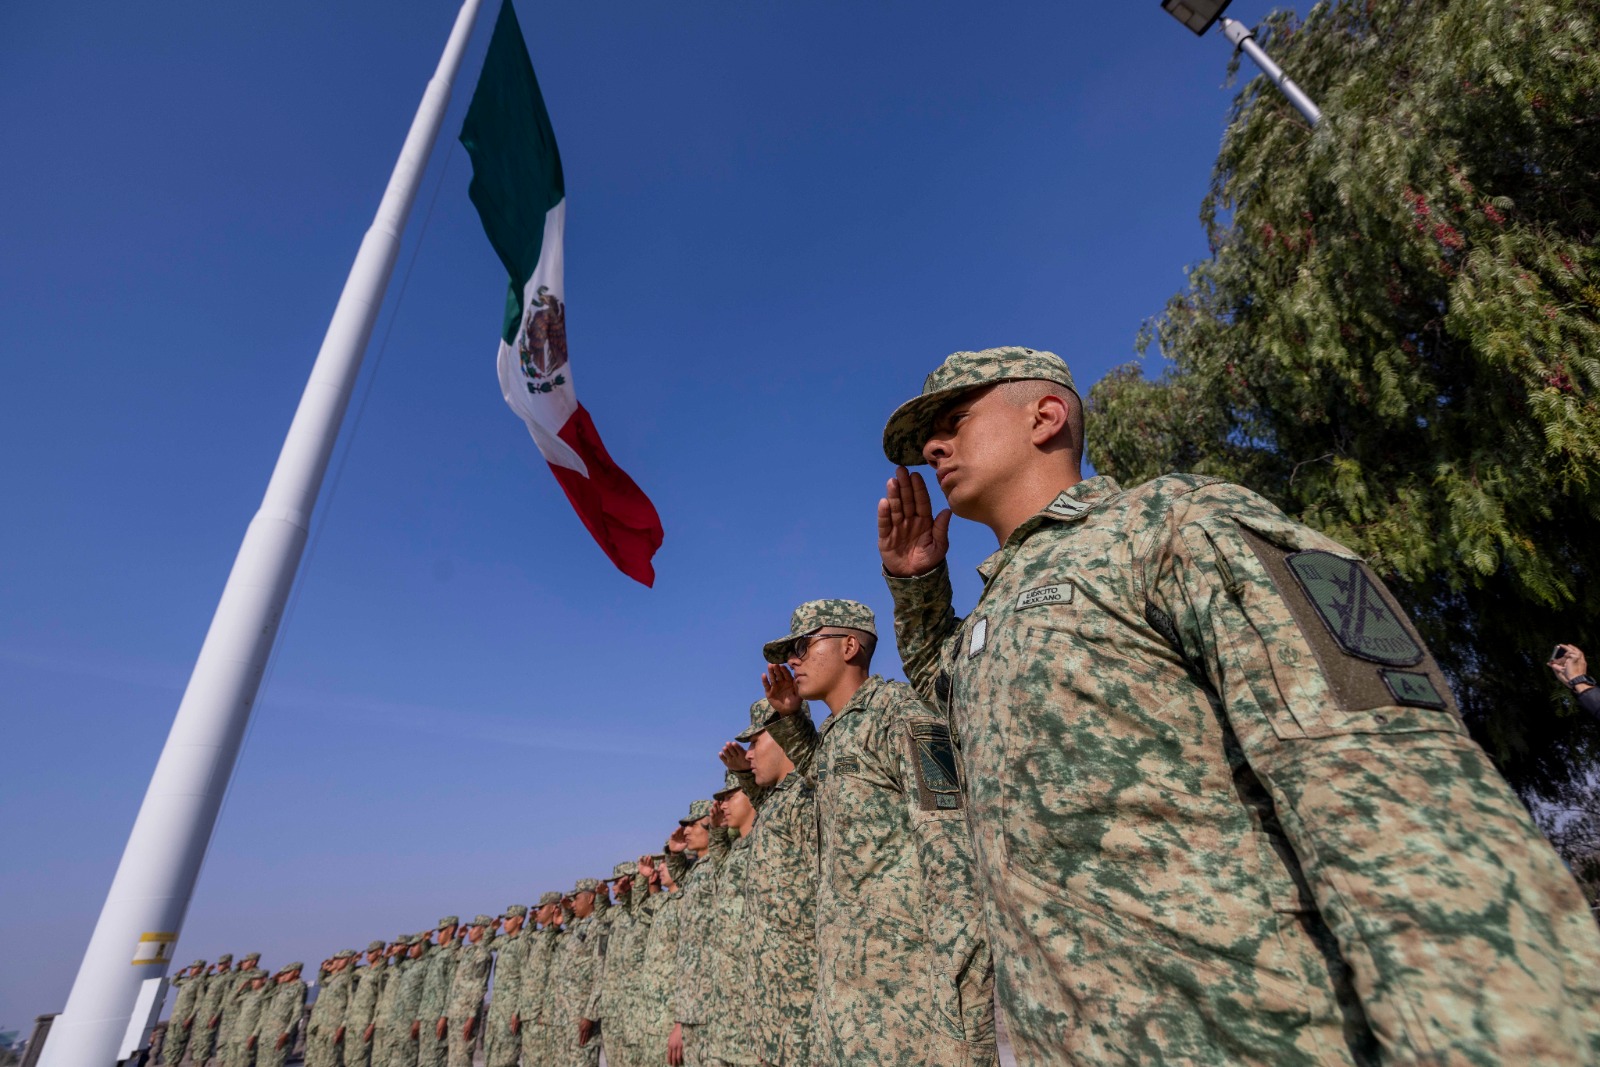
(658, 961)
(280, 1017)
(611, 1006)
(386, 1031)
(249, 967)
(243, 1032)
(540, 1041)
(687, 858)
(208, 1010)
(781, 891)
(325, 1027)
(407, 1029)
(433, 1042)
(357, 1030)
(571, 977)
(502, 1038)
(1223, 808)
(464, 1003)
(905, 972)
(728, 1037)
(181, 1023)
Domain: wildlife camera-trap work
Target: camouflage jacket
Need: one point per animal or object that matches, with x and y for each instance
(366, 988)
(536, 985)
(470, 981)
(510, 954)
(408, 998)
(247, 1016)
(333, 999)
(435, 996)
(727, 1031)
(189, 990)
(658, 968)
(572, 972)
(906, 972)
(212, 998)
(617, 990)
(281, 1013)
(392, 1014)
(696, 914)
(1222, 807)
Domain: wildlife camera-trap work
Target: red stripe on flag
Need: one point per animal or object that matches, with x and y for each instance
(617, 513)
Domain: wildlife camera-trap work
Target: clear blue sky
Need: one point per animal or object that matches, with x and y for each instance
(781, 216)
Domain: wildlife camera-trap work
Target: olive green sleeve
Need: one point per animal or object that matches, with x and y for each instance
(798, 736)
(1467, 939)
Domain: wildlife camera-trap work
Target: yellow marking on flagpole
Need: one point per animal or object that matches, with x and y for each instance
(154, 948)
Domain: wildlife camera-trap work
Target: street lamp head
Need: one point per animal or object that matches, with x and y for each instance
(1198, 15)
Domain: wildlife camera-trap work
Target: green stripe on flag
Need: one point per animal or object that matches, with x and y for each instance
(516, 168)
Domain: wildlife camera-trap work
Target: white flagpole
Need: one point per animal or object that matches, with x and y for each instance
(144, 911)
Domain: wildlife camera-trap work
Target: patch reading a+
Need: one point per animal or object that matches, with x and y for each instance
(1413, 689)
(1357, 616)
(1046, 594)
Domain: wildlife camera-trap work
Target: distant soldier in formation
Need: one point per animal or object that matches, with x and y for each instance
(688, 856)
(611, 1002)
(533, 991)
(208, 1010)
(659, 963)
(280, 1017)
(903, 958)
(248, 970)
(781, 892)
(464, 1005)
(325, 1029)
(181, 1023)
(388, 1029)
(729, 1038)
(433, 1042)
(244, 1031)
(502, 1038)
(357, 1032)
(408, 999)
(571, 977)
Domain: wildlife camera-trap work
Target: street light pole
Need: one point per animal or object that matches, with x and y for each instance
(1200, 15)
(1245, 41)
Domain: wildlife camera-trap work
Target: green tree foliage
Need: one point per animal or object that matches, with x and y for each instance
(1397, 336)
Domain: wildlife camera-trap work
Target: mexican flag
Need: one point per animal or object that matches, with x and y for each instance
(518, 190)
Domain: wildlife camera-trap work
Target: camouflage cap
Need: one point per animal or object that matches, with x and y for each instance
(813, 615)
(288, 967)
(760, 714)
(483, 920)
(376, 946)
(447, 922)
(346, 954)
(254, 957)
(226, 957)
(546, 899)
(198, 963)
(730, 785)
(515, 910)
(625, 869)
(697, 811)
(912, 422)
(587, 885)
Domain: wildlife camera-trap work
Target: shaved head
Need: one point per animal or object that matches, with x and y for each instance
(1026, 393)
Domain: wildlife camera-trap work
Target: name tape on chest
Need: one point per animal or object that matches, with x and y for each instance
(1046, 594)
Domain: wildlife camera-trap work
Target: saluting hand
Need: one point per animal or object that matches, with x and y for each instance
(678, 840)
(733, 757)
(778, 683)
(911, 539)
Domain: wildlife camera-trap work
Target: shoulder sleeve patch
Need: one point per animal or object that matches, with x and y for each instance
(1350, 606)
(938, 778)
